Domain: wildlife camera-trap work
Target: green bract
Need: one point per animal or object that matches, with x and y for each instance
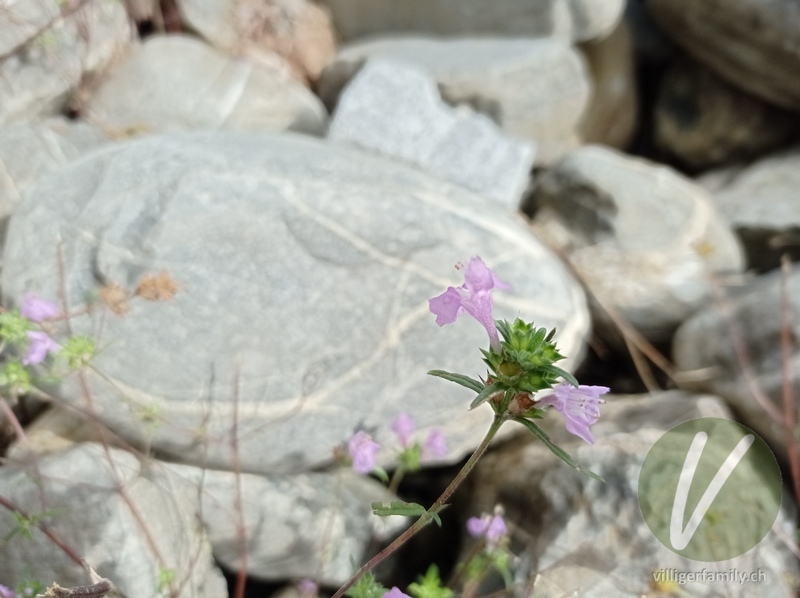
(13, 327)
(78, 350)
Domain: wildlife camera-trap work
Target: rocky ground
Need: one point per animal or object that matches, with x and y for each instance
(307, 174)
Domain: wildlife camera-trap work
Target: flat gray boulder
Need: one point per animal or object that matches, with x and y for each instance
(47, 47)
(576, 20)
(304, 274)
(129, 538)
(174, 83)
(644, 239)
(395, 109)
(533, 89)
(760, 202)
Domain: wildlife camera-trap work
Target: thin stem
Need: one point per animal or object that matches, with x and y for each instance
(428, 516)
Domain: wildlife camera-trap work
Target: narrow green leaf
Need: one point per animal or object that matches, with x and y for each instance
(398, 507)
(564, 374)
(557, 450)
(485, 394)
(461, 379)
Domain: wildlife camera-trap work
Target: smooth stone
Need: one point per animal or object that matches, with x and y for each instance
(760, 202)
(48, 49)
(704, 121)
(733, 349)
(534, 89)
(580, 537)
(751, 43)
(575, 20)
(31, 150)
(304, 526)
(304, 272)
(612, 113)
(173, 83)
(394, 109)
(78, 492)
(299, 30)
(643, 239)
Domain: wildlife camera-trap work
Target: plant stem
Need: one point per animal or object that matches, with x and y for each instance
(435, 508)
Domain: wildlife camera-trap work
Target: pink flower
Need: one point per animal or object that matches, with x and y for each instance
(404, 425)
(37, 309)
(39, 345)
(435, 446)
(491, 527)
(395, 593)
(580, 407)
(364, 452)
(473, 297)
(308, 588)
(6, 592)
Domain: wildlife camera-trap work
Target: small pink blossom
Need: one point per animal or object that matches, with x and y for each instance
(435, 446)
(363, 451)
(39, 345)
(580, 407)
(491, 527)
(403, 425)
(395, 593)
(473, 297)
(37, 309)
(6, 592)
(308, 588)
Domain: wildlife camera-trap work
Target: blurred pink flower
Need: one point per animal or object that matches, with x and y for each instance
(403, 425)
(491, 527)
(395, 593)
(37, 309)
(435, 446)
(363, 451)
(39, 345)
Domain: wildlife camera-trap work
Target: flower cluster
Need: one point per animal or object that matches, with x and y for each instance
(38, 310)
(522, 364)
(490, 527)
(364, 450)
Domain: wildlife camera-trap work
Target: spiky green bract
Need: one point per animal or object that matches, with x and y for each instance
(525, 361)
(430, 586)
(366, 587)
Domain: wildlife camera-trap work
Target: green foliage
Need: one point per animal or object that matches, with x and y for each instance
(410, 458)
(13, 327)
(366, 587)
(557, 450)
(78, 351)
(16, 377)
(165, 577)
(430, 586)
(30, 588)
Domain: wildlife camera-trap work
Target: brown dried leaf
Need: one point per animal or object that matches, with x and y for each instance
(116, 298)
(157, 287)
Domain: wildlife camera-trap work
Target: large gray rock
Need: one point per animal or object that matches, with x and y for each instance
(47, 47)
(395, 109)
(752, 43)
(704, 121)
(760, 202)
(304, 274)
(31, 150)
(733, 349)
(129, 538)
(312, 526)
(580, 537)
(577, 20)
(535, 89)
(643, 239)
(173, 83)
